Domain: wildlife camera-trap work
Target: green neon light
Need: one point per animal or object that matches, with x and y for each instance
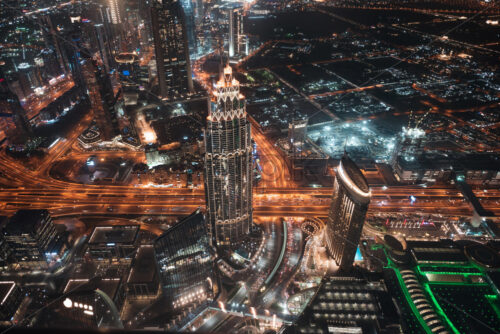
(439, 309)
(493, 300)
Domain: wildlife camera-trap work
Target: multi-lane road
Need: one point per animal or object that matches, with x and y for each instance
(276, 194)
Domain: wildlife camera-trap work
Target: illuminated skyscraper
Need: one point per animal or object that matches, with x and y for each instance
(115, 10)
(238, 42)
(185, 262)
(351, 196)
(189, 13)
(171, 48)
(228, 164)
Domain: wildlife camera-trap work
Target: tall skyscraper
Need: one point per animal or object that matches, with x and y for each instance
(351, 196)
(189, 14)
(52, 42)
(185, 262)
(228, 164)
(237, 41)
(116, 10)
(102, 99)
(14, 124)
(171, 48)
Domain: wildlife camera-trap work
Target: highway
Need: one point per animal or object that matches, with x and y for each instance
(276, 194)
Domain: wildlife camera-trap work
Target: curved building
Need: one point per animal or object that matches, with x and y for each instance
(351, 196)
(228, 164)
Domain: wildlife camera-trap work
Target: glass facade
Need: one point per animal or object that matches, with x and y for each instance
(185, 262)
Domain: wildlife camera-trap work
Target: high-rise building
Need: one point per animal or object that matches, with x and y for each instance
(32, 236)
(102, 99)
(171, 48)
(237, 41)
(185, 262)
(52, 42)
(116, 10)
(228, 164)
(351, 196)
(189, 12)
(14, 124)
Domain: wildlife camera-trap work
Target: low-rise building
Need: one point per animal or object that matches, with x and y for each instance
(476, 168)
(348, 305)
(113, 243)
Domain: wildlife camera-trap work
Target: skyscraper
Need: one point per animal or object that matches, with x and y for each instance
(237, 41)
(189, 14)
(185, 262)
(33, 238)
(14, 124)
(171, 48)
(102, 99)
(351, 196)
(116, 10)
(228, 164)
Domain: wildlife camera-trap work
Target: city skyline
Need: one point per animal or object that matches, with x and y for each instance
(250, 166)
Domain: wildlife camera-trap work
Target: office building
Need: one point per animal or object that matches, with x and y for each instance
(189, 13)
(14, 124)
(171, 48)
(185, 263)
(102, 99)
(113, 243)
(351, 196)
(228, 164)
(116, 10)
(32, 237)
(237, 40)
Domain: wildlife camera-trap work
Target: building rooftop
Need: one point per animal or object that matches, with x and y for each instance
(144, 266)
(114, 234)
(459, 162)
(109, 286)
(352, 177)
(350, 304)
